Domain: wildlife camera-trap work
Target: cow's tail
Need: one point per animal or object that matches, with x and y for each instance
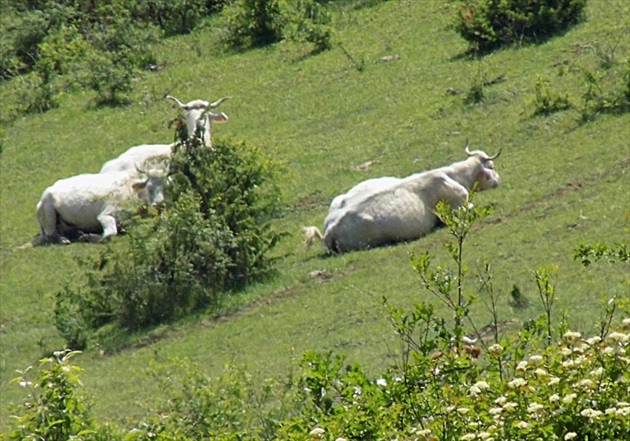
(310, 233)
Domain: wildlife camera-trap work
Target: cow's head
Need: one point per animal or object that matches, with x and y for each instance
(149, 186)
(199, 116)
(487, 177)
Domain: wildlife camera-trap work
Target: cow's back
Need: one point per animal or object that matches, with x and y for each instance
(356, 195)
(79, 200)
(135, 158)
(403, 211)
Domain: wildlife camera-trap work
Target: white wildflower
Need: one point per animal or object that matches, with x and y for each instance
(554, 398)
(584, 383)
(610, 411)
(580, 348)
(468, 437)
(623, 404)
(534, 407)
(566, 351)
(623, 412)
(502, 399)
(495, 410)
(597, 372)
(381, 382)
(608, 350)
(568, 399)
(495, 349)
(317, 433)
(540, 372)
(517, 382)
(463, 410)
(474, 390)
(484, 435)
(571, 335)
(626, 321)
(570, 435)
(536, 359)
(522, 425)
(553, 380)
(522, 366)
(482, 385)
(594, 340)
(509, 405)
(591, 413)
(424, 432)
(619, 337)
(581, 359)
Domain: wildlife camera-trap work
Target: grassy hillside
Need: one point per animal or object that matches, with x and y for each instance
(564, 181)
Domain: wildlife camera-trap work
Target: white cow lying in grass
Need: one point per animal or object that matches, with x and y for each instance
(387, 210)
(198, 115)
(90, 203)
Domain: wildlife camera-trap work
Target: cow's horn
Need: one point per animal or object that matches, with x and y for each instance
(468, 152)
(219, 101)
(179, 103)
(495, 156)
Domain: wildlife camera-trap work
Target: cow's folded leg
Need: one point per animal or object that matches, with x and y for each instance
(109, 226)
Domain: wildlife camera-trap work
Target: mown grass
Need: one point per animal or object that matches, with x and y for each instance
(563, 182)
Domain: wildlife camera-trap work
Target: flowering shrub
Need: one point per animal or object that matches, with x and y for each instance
(544, 383)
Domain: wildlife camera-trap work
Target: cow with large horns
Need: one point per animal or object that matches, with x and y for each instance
(198, 117)
(388, 210)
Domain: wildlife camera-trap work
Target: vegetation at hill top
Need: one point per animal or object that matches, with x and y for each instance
(325, 94)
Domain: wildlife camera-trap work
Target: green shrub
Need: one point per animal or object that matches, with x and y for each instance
(547, 101)
(53, 411)
(252, 23)
(174, 17)
(487, 24)
(309, 21)
(211, 239)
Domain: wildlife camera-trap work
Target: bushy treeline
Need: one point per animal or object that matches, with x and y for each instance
(27, 25)
(58, 45)
(541, 381)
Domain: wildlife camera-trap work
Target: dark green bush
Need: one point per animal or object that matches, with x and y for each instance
(309, 21)
(487, 24)
(252, 23)
(174, 16)
(211, 239)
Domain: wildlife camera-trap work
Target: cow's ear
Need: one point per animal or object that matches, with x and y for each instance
(219, 117)
(139, 184)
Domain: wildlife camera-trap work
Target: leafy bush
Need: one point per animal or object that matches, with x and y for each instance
(211, 239)
(547, 101)
(117, 49)
(53, 411)
(174, 17)
(310, 21)
(252, 23)
(487, 24)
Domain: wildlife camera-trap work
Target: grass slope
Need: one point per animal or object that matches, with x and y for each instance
(563, 182)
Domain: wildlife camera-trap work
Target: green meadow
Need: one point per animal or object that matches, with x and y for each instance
(332, 120)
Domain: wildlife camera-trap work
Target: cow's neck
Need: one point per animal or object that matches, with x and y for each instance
(464, 172)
